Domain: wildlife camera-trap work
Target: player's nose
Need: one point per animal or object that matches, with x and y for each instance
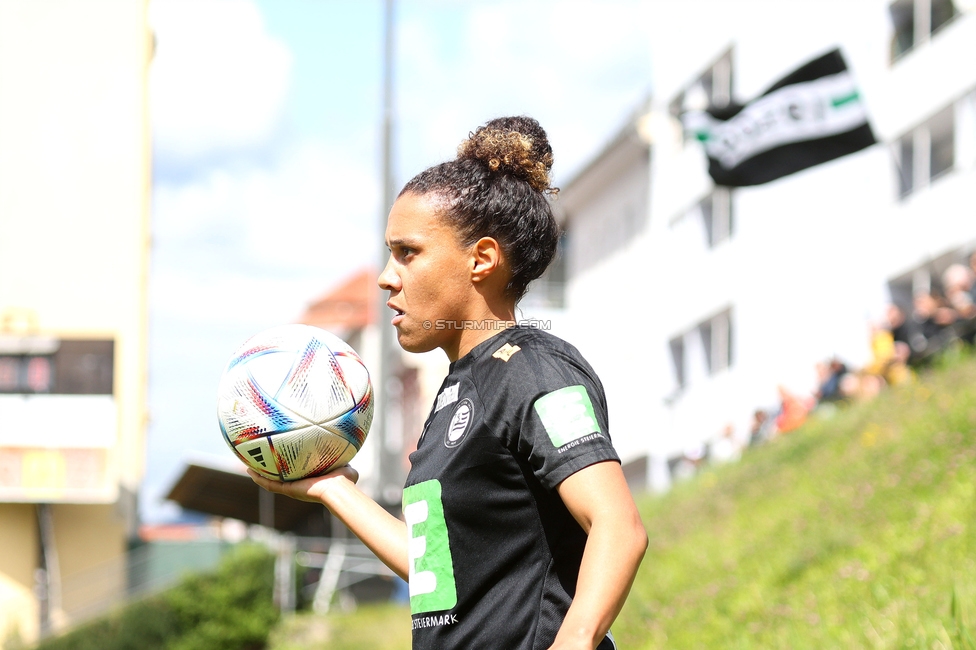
(388, 279)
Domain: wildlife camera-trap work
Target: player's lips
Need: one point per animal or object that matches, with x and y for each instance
(399, 313)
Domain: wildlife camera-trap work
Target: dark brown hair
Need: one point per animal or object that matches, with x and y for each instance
(498, 186)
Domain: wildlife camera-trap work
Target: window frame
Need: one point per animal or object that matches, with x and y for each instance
(915, 152)
(716, 334)
(922, 22)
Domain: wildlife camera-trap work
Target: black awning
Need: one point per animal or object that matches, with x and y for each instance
(234, 495)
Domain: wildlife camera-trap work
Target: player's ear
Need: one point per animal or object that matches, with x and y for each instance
(486, 258)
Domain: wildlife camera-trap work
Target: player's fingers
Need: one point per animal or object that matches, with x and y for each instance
(347, 471)
(266, 483)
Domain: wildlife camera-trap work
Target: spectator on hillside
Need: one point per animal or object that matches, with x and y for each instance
(861, 386)
(829, 376)
(902, 331)
(793, 411)
(726, 448)
(687, 463)
(761, 429)
(958, 282)
(972, 267)
(888, 358)
(928, 321)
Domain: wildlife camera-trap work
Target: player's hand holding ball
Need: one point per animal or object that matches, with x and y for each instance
(312, 489)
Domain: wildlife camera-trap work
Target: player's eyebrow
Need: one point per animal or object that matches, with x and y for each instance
(401, 241)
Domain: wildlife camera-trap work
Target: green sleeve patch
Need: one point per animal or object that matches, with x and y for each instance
(567, 414)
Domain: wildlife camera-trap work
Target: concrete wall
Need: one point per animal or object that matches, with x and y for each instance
(91, 543)
(19, 549)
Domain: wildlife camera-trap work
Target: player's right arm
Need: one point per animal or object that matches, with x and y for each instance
(381, 532)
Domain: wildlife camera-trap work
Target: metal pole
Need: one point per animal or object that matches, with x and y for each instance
(266, 509)
(390, 480)
(51, 607)
(284, 588)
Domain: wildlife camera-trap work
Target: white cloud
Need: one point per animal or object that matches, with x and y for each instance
(218, 79)
(227, 242)
(579, 67)
(231, 298)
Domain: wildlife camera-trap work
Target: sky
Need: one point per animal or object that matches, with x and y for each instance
(267, 124)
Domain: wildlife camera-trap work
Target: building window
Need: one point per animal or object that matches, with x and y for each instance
(26, 374)
(704, 350)
(74, 368)
(709, 220)
(678, 360)
(942, 133)
(712, 89)
(915, 21)
(906, 168)
(716, 211)
(716, 334)
(926, 152)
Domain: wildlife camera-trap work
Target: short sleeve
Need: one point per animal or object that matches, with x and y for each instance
(564, 425)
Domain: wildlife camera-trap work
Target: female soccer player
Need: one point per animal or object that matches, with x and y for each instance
(520, 531)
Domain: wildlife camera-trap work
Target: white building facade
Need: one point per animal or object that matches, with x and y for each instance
(697, 306)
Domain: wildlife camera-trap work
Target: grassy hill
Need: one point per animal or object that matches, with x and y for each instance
(856, 531)
(852, 532)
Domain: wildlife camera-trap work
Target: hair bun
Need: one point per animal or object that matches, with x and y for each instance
(512, 145)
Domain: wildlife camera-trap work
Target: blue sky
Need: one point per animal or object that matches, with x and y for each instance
(266, 119)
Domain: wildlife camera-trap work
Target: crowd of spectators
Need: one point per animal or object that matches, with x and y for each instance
(910, 337)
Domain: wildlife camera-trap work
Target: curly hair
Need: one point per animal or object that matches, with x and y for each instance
(498, 186)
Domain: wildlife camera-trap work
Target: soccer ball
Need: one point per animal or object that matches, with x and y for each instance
(295, 401)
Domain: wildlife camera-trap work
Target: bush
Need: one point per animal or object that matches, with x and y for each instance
(227, 609)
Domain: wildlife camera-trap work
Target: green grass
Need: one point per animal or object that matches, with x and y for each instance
(856, 531)
(372, 627)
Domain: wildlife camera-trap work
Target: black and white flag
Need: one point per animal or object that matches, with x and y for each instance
(812, 115)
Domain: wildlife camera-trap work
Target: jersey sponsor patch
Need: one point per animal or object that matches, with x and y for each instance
(431, 567)
(459, 423)
(448, 396)
(567, 415)
(506, 351)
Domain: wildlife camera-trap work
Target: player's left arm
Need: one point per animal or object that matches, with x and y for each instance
(599, 499)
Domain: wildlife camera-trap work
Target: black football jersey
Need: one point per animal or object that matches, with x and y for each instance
(494, 553)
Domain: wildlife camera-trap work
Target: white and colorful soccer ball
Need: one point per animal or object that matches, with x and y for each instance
(295, 401)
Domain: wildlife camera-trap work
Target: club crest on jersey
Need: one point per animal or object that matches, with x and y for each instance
(460, 420)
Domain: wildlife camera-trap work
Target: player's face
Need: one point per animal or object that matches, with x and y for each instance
(427, 275)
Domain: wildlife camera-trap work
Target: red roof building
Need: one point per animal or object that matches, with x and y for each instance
(349, 307)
